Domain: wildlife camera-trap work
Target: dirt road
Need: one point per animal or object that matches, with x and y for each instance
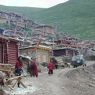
(68, 81)
(50, 84)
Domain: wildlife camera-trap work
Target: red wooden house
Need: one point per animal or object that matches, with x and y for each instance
(8, 50)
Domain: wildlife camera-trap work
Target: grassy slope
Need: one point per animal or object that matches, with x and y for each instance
(25, 11)
(76, 17)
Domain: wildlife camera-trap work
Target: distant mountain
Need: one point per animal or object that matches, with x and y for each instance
(76, 17)
(25, 11)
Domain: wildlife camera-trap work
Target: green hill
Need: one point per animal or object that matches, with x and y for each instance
(25, 11)
(76, 17)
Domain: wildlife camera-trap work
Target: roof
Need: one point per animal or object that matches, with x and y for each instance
(40, 46)
(27, 57)
(66, 48)
(44, 26)
(8, 38)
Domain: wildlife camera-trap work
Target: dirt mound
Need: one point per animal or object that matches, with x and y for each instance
(81, 81)
(81, 73)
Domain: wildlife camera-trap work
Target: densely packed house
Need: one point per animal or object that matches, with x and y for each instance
(16, 20)
(43, 32)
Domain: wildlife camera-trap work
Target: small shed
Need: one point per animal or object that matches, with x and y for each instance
(8, 50)
(64, 52)
(42, 53)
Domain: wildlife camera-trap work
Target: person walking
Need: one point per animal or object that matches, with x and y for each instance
(18, 67)
(50, 67)
(34, 69)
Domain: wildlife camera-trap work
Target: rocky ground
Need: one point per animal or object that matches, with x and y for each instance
(68, 81)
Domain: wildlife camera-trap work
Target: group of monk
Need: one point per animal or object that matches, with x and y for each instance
(32, 67)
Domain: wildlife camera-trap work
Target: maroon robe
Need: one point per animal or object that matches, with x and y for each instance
(34, 69)
(50, 68)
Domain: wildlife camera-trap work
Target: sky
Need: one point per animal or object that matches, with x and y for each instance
(32, 3)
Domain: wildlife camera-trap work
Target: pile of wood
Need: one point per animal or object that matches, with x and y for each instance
(7, 79)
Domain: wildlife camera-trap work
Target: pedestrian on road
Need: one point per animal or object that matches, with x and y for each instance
(18, 67)
(50, 67)
(34, 69)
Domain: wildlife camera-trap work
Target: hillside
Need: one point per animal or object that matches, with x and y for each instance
(25, 11)
(76, 17)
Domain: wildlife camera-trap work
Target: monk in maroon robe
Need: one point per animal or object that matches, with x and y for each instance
(50, 67)
(18, 67)
(34, 69)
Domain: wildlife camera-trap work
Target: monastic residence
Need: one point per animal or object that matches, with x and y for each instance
(66, 47)
(69, 46)
(3, 17)
(17, 35)
(41, 53)
(13, 33)
(17, 20)
(43, 32)
(64, 52)
(8, 50)
(14, 19)
(29, 23)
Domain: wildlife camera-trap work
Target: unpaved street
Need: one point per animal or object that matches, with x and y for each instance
(50, 84)
(68, 81)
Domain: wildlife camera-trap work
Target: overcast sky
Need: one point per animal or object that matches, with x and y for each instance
(32, 3)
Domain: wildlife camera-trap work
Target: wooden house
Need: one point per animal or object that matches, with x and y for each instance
(41, 53)
(66, 46)
(8, 50)
(3, 17)
(64, 52)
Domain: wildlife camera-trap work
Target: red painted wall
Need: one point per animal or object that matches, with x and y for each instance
(8, 51)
